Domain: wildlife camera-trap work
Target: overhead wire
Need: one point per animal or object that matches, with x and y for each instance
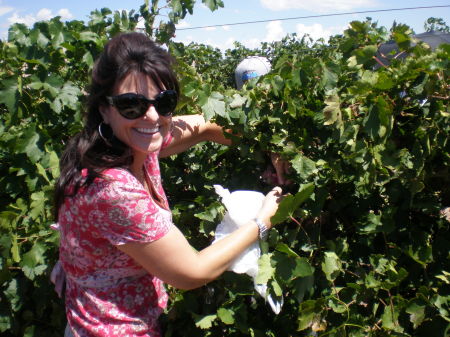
(312, 16)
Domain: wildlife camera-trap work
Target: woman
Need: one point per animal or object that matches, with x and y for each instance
(118, 243)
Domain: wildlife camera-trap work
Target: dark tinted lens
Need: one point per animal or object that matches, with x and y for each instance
(166, 102)
(131, 105)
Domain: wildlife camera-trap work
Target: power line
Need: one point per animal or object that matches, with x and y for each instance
(312, 16)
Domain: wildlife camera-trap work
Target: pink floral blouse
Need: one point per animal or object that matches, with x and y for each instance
(107, 293)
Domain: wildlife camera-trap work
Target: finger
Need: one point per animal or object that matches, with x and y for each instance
(280, 174)
(277, 190)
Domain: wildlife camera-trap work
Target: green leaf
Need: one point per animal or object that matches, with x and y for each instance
(369, 78)
(37, 204)
(213, 4)
(238, 101)
(30, 143)
(291, 203)
(29, 331)
(88, 59)
(373, 223)
(302, 286)
(416, 311)
(213, 106)
(5, 320)
(337, 306)
(38, 38)
(276, 288)
(15, 249)
(10, 94)
(205, 322)
(445, 276)
(331, 266)
(365, 54)
(32, 272)
(384, 82)
(35, 255)
(379, 122)
(304, 166)
(14, 294)
(56, 33)
(53, 164)
(402, 36)
(390, 318)
(332, 112)
(309, 312)
(8, 219)
(67, 96)
(19, 33)
(226, 316)
(265, 269)
(277, 84)
(41, 171)
(284, 248)
(330, 75)
(89, 36)
(288, 268)
(302, 268)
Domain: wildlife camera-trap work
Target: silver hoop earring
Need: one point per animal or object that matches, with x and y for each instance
(107, 142)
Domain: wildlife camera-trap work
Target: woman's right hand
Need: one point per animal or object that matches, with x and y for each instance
(270, 206)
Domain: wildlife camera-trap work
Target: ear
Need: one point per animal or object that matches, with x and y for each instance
(104, 111)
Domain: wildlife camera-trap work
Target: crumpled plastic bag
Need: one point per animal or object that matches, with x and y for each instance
(242, 207)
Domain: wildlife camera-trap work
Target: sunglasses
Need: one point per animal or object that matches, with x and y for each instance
(132, 106)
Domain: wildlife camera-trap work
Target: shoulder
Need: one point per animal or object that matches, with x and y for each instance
(116, 184)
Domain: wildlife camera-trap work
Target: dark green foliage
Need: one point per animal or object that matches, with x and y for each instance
(360, 247)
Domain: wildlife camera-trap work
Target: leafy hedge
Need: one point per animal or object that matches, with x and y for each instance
(361, 248)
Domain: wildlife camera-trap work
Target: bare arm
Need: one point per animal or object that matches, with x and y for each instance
(190, 130)
(174, 261)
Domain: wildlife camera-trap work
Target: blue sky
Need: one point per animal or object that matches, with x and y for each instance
(28, 11)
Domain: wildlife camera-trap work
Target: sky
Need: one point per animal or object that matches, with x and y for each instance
(237, 11)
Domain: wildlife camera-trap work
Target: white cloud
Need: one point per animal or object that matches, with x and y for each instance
(209, 28)
(252, 43)
(317, 6)
(140, 24)
(183, 24)
(229, 44)
(5, 9)
(226, 28)
(275, 31)
(317, 31)
(65, 14)
(186, 40)
(27, 19)
(44, 14)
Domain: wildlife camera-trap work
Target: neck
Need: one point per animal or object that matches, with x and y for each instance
(138, 164)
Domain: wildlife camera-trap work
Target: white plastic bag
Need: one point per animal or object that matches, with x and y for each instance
(243, 206)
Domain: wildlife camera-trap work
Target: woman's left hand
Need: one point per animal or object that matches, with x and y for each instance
(282, 168)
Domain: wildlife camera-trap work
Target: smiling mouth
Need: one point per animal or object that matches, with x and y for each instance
(147, 131)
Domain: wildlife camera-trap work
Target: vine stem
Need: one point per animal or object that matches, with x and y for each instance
(342, 326)
(379, 62)
(300, 225)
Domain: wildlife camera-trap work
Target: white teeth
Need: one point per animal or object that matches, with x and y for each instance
(146, 130)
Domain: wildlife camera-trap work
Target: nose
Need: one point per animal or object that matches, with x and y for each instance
(151, 113)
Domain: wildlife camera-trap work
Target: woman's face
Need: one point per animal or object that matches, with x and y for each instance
(144, 134)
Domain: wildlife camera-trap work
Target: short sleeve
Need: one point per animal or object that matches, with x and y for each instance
(125, 213)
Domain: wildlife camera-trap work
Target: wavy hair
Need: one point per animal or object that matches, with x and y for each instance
(124, 54)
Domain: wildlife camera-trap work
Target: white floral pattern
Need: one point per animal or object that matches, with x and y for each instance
(107, 293)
